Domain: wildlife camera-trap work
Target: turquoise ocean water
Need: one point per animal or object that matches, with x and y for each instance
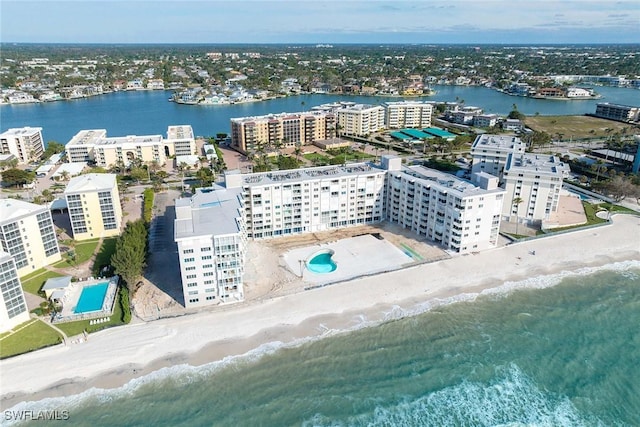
(563, 355)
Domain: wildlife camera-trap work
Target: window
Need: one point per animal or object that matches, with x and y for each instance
(207, 249)
(188, 251)
(189, 259)
(190, 276)
(206, 257)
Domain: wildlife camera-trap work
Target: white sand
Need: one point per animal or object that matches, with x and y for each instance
(110, 357)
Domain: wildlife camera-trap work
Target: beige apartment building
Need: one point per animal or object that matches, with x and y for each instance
(248, 134)
(408, 114)
(94, 146)
(94, 206)
(25, 143)
(13, 308)
(360, 119)
(28, 235)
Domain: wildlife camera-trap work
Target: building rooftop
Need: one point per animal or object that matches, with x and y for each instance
(4, 256)
(300, 175)
(130, 139)
(540, 163)
(498, 142)
(91, 182)
(56, 283)
(180, 132)
(88, 137)
(213, 211)
(20, 131)
(278, 116)
(12, 209)
(360, 107)
(448, 182)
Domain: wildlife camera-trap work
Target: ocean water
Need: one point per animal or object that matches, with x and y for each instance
(560, 350)
(150, 112)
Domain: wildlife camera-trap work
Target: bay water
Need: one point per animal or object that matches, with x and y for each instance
(556, 350)
(150, 112)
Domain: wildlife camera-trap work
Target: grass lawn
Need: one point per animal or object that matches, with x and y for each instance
(574, 126)
(83, 251)
(33, 282)
(103, 257)
(34, 336)
(317, 157)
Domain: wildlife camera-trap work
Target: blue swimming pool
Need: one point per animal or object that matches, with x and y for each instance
(322, 263)
(91, 298)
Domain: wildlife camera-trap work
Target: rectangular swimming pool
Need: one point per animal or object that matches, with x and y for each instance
(92, 298)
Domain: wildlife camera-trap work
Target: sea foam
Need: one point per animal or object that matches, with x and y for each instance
(184, 373)
(511, 399)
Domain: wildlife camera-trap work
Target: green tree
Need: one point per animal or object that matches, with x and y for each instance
(129, 258)
(516, 202)
(52, 148)
(15, 177)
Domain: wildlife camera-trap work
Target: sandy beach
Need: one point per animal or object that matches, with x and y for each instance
(113, 357)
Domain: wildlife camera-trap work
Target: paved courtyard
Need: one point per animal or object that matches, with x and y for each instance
(355, 256)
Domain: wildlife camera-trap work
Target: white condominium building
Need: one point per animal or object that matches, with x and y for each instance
(248, 134)
(360, 119)
(94, 146)
(13, 308)
(490, 152)
(28, 235)
(454, 213)
(408, 114)
(94, 206)
(311, 199)
(25, 143)
(209, 231)
(180, 141)
(211, 227)
(535, 180)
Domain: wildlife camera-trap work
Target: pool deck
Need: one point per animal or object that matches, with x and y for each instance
(72, 296)
(355, 256)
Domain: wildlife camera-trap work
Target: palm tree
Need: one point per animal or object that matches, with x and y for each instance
(297, 150)
(516, 203)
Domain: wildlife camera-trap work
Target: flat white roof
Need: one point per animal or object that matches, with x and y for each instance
(87, 137)
(214, 211)
(91, 182)
(20, 131)
(306, 174)
(539, 163)
(446, 181)
(12, 209)
(497, 142)
(180, 132)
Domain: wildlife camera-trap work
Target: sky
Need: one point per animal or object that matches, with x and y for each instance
(321, 21)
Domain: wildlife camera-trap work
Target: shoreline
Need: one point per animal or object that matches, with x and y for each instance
(114, 357)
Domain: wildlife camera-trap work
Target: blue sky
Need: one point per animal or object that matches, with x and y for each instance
(321, 21)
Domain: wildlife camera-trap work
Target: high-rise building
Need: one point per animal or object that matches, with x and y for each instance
(454, 213)
(28, 235)
(360, 119)
(490, 152)
(25, 143)
(209, 231)
(94, 146)
(408, 114)
(212, 226)
(535, 180)
(94, 206)
(13, 308)
(249, 134)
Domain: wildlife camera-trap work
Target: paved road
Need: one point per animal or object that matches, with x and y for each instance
(163, 268)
